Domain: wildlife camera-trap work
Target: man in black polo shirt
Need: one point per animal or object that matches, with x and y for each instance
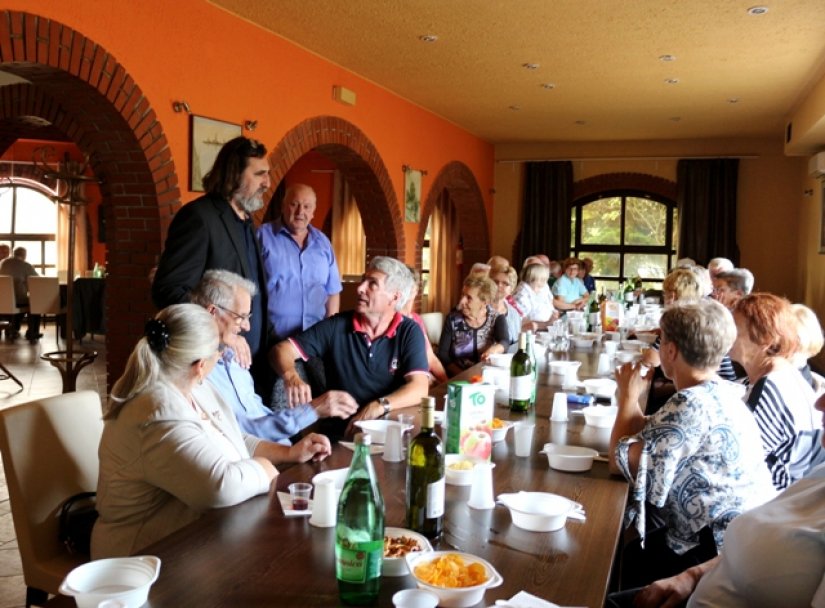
(373, 353)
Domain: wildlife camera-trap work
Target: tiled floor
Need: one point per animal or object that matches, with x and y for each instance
(40, 379)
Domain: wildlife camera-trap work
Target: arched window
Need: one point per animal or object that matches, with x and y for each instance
(28, 218)
(626, 234)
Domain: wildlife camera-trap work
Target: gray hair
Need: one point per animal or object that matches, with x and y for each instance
(535, 272)
(192, 336)
(703, 331)
(217, 287)
(720, 265)
(739, 278)
(399, 278)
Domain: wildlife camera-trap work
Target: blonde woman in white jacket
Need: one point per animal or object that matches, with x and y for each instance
(171, 447)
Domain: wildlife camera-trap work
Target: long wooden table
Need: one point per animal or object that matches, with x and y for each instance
(252, 555)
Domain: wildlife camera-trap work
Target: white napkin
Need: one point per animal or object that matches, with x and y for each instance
(522, 599)
(285, 498)
(375, 448)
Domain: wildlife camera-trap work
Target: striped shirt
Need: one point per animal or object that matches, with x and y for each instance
(791, 430)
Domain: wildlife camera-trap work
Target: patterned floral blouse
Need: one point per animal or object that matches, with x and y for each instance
(701, 464)
(463, 345)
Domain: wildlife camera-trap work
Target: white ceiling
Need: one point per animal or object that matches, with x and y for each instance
(602, 56)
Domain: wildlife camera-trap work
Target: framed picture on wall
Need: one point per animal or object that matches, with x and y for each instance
(208, 136)
(412, 195)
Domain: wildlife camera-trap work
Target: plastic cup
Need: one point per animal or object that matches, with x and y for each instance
(559, 412)
(524, 437)
(610, 347)
(415, 598)
(604, 364)
(300, 493)
(406, 421)
(393, 444)
(481, 492)
(325, 505)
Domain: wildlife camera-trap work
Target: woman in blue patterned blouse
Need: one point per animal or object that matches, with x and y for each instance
(697, 462)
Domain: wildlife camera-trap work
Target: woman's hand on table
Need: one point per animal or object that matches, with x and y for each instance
(315, 447)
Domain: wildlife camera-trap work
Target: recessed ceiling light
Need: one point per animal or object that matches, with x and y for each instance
(667, 57)
(514, 108)
(672, 80)
(757, 10)
(548, 85)
(428, 38)
(733, 100)
(530, 66)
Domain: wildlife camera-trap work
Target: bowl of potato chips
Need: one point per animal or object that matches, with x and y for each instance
(458, 579)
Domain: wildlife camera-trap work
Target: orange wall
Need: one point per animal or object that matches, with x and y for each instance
(229, 69)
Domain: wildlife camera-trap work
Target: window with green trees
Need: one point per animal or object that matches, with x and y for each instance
(627, 235)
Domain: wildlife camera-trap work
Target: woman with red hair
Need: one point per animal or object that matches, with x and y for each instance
(779, 397)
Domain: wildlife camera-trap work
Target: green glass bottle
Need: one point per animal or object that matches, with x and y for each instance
(521, 377)
(425, 476)
(359, 531)
(531, 352)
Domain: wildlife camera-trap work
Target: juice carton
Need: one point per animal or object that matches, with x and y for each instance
(612, 315)
(469, 416)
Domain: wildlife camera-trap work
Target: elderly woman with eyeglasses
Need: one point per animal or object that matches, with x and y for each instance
(696, 463)
(171, 447)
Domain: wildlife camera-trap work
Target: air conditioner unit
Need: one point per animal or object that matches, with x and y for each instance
(816, 166)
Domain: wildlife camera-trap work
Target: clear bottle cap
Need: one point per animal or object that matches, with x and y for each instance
(363, 439)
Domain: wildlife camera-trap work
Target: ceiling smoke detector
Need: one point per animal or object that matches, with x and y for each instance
(757, 10)
(667, 57)
(672, 80)
(428, 38)
(548, 85)
(530, 66)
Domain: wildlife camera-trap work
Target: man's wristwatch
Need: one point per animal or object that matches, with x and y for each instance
(383, 401)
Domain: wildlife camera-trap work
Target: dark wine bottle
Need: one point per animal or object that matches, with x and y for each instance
(425, 476)
(521, 377)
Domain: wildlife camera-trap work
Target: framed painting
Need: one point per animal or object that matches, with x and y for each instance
(207, 137)
(412, 195)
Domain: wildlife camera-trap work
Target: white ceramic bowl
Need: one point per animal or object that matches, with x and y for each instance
(126, 579)
(500, 433)
(571, 458)
(457, 477)
(455, 597)
(634, 345)
(647, 337)
(377, 428)
(601, 416)
(600, 387)
(613, 336)
(501, 360)
(397, 566)
(538, 511)
(581, 341)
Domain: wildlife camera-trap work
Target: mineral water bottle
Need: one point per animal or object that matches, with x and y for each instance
(521, 377)
(359, 531)
(425, 476)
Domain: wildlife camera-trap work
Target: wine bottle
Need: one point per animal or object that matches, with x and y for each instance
(359, 531)
(521, 377)
(531, 352)
(425, 476)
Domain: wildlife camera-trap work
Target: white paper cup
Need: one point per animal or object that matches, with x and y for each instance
(559, 413)
(603, 367)
(325, 503)
(393, 443)
(524, 438)
(481, 491)
(610, 347)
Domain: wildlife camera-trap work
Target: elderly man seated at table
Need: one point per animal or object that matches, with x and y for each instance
(569, 291)
(473, 330)
(731, 286)
(696, 463)
(171, 447)
(373, 353)
(228, 298)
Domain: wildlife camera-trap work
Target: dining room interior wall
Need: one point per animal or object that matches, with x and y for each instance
(231, 70)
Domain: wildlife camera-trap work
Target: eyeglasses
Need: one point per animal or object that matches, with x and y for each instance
(237, 316)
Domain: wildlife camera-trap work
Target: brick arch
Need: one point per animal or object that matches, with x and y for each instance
(461, 186)
(625, 181)
(361, 165)
(90, 98)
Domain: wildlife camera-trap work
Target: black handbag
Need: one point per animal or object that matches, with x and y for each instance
(77, 517)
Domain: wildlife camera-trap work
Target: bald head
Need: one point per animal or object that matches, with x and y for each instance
(298, 208)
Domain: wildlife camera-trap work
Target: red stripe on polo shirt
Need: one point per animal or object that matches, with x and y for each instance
(390, 333)
(297, 347)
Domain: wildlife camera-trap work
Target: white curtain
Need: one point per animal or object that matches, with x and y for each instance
(81, 256)
(348, 239)
(444, 277)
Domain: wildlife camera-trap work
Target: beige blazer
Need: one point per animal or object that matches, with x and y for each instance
(159, 469)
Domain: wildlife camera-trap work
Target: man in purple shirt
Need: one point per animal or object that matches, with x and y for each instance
(302, 280)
